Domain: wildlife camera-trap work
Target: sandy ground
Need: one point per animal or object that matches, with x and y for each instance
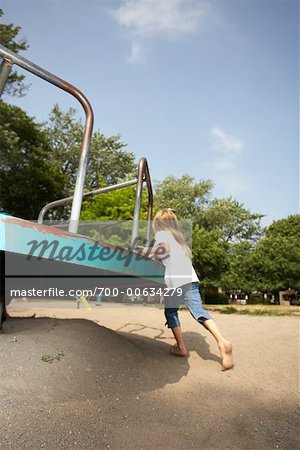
(116, 386)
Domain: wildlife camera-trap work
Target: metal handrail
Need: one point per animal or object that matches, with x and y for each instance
(5, 69)
(143, 174)
(66, 200)
(10, 58)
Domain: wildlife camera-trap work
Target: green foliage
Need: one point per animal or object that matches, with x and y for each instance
(224, 231)
(183, 195)
(231, 232)
(114, 205)
(28, 178)
(287, 228)
(107, 161)
(216, 299)
(236, 277)
(228, 310)
(257, 312)
(210, 255)
(231, 218)
(275, 263)
(8, 34)
(258, 301)
(264, 312)
(113, 213)
(43, 161)
(39, 164)
(253, 310)
(50, 358)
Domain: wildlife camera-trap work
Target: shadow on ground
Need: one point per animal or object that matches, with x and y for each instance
(194, 341)
(75, 384)
(89, 354)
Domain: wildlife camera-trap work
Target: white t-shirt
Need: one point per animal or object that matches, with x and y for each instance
(179, 268)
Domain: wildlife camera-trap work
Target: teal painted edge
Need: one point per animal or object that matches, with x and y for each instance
(25, 237)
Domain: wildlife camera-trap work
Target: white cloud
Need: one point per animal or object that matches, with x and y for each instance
(225, 142)
(146, 18)
(136, 54)
(161, 19)
(227, 151)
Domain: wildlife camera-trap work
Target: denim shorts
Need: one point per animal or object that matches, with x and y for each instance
(192, 299)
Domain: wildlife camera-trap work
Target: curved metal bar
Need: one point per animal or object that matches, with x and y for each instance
(4, 74)
(88, 129)
(143, 175)
(66, 200)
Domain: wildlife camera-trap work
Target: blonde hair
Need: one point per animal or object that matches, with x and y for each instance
(166, 219)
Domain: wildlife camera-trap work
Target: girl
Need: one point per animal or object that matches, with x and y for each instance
(182, 278)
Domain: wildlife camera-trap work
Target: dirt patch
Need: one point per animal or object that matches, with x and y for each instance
(115, 385)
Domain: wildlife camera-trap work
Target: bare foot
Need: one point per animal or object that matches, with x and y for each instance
(175, 350)
(226, 355)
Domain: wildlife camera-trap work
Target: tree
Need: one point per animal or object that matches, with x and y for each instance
(240, 229)
(8, 34)
(107, 159)
(274, 265)
(236, 277)
(182, 194)
(210, 256)
(44, 160)
(287, 228)
(236, 222)
(224, 231)
(28, 177)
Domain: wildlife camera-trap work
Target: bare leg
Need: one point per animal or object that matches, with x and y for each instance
(225, 346)
(179, 349)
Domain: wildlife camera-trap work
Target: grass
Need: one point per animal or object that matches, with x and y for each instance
(251, 310)
(255, 310)
(50, 358)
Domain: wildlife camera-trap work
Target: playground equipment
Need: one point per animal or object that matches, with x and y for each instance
(16, 234)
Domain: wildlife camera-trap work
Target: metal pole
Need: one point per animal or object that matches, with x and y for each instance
(4, 74)
(143, 171)
(138, 201)
(88, 129)
(63, 201)
(150, 200)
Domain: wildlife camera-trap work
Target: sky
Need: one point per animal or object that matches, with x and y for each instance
(205, 88)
